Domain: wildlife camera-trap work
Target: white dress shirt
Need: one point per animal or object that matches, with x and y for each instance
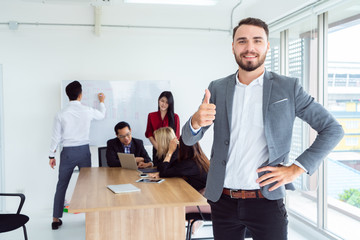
(248, 147)
(72, 125)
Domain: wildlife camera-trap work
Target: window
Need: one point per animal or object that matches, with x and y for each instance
(302, 45)
(343, 166)
(354, 80)
(330, 71)
(272, 62)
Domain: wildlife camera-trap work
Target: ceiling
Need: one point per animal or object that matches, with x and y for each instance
(117, 12)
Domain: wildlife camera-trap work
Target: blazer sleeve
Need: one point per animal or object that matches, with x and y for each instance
(178, 169)
(166, 171)
(149, 127)
(173, 159)
(142, 151)
(111, 154)
(330, 132)
(188, 137)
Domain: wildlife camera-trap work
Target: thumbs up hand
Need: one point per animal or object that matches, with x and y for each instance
(205, 115)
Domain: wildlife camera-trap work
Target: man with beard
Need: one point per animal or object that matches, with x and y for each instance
(255, 111)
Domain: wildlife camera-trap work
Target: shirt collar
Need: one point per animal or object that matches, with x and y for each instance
(128, 146)
(259, 80)
(75, 102)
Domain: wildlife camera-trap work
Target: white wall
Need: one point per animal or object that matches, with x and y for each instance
(36, 58)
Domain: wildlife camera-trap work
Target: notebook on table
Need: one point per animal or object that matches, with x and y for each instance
(123, 188)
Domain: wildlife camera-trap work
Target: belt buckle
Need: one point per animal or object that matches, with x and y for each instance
(231, 192)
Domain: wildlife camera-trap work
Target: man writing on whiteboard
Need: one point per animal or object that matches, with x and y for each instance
(71, 130)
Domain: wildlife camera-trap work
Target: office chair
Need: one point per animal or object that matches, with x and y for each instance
(192, 217)
(12, 221)
(102, 157)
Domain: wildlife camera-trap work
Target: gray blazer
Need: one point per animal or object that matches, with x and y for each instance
(283, 100)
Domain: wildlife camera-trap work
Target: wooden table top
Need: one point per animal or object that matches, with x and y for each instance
(91, 192)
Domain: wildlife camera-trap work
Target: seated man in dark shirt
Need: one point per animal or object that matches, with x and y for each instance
(125, 143)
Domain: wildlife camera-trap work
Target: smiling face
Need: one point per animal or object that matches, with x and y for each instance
(124, 135)
(250, 47)
(163, 104)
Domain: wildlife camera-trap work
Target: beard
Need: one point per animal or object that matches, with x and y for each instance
(250, 66)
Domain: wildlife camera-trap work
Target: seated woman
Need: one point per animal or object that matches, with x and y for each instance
(188, 162)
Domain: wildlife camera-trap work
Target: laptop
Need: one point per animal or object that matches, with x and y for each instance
(128, 161)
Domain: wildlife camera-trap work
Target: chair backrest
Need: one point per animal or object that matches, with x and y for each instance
(102, 157)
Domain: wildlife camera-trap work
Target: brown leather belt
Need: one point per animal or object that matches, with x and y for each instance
(243, 194)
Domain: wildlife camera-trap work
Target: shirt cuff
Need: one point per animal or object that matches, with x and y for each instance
(51, 154)
(193, 131)
(300, 165)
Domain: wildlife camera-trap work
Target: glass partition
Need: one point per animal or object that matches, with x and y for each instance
(272, 62)
(302, 64)
(343, 100)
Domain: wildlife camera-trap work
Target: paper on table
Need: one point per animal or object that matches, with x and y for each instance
(123, 188)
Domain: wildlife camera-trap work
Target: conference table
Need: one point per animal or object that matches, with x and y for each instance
(157, 211)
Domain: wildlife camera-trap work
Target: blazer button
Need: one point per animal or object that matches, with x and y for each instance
(226, 142)
(224, 162)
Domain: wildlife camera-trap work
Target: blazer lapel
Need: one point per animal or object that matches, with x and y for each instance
(230, 88)
(267, 86)
(121, 147)
(133, 147)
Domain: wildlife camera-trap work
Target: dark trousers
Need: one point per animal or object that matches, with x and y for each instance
(70, 157)
(265, 219)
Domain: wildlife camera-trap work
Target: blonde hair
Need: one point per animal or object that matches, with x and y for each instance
(163, 136)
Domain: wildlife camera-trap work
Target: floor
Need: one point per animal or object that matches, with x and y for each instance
(39, 228)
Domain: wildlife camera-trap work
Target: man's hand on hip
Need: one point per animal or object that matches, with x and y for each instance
(282, 175)
(205, 115)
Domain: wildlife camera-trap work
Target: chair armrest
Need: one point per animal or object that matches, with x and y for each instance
(22, 199)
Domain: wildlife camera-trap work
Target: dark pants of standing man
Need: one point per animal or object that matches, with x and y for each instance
(70, 157)
(265, 219)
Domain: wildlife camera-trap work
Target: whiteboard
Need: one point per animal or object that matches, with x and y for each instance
(129, 101)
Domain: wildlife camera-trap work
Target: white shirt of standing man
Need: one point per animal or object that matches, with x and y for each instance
(56, 138)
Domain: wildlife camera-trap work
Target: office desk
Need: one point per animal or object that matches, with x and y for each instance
(156, 212)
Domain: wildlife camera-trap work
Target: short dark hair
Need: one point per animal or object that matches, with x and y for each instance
(121, 125)
(73, 90)
(255, 22)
